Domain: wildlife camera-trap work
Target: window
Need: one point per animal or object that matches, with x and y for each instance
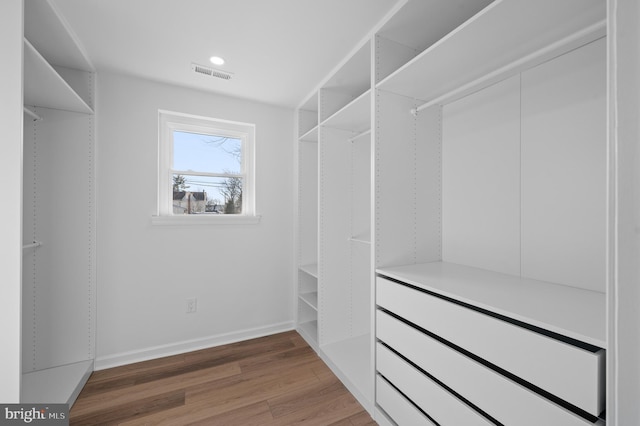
(205, 170)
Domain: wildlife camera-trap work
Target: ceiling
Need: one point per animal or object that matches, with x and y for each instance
(277, 50)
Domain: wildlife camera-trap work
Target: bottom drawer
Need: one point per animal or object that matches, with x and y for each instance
(398, 407)
(440, 404)
(506, 401)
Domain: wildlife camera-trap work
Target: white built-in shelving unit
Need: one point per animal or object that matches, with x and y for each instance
(334, 174)
(461, 151)
(498, 131)
(58, 327)
(308, 220)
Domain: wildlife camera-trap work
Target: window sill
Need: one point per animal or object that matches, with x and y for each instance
(189, 220)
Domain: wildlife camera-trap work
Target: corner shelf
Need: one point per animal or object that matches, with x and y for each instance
(506, 36)
(44, 87)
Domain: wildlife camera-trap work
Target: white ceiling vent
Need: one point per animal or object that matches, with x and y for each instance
(211, 72)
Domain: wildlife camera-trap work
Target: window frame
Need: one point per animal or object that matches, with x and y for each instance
(170, 121)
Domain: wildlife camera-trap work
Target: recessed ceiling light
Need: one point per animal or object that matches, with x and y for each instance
(216, 60)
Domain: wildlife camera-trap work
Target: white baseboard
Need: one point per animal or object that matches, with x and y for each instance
(116, 360)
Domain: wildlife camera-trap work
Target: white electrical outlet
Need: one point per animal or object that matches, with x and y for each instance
(192, 305)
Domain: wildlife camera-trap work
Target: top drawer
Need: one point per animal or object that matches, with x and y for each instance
(572, 373)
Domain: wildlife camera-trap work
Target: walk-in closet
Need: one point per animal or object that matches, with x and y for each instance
(207, 203)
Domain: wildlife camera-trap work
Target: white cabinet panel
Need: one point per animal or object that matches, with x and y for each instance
(398, 407)
(569, 372)
(564, 163)
(440, 404)
(500, 397)
(481, 179)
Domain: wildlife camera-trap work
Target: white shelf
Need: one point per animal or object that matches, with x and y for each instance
(354, 76)
(501, 34)
(309, 331)
(416, 25)
(573, 312)
(355, 116)
(308, 120)
(58, 385)
(310, 136)
(50, 34)
(352, 357)
(311, 269)
(44, 87)
(348, 83)
(310, 299)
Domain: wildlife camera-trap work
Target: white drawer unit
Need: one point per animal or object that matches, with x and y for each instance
(573, 373)
(443, 406)
(500, 397)
(398, 407)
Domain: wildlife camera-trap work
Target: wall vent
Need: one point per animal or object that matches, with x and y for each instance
(211, 72)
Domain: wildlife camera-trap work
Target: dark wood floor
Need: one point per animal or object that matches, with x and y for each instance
(274, 380)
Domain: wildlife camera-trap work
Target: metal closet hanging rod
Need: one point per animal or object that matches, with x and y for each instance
(32, 114)
(359, 135)
(32, 245)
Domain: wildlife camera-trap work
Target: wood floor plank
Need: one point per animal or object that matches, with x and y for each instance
(200, 361)
(136, 368)
(256, 414)
(112, 400)
(214, 399)
(252, 389)
(360, 419)
(321, 414)
(291, 402)
(279, 360)
(133, 409)
(274, 380)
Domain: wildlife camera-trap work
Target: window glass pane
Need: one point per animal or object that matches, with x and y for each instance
(206, 153)
(194, 194)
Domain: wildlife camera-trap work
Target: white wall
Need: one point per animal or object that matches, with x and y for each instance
(10, 214)
(242, 275)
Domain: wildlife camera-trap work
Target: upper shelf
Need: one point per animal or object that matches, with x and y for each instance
(349, 82)
(49, 33)
(354, 76)
(310, 136)
(415, 27)
(355, 116)
(502, 34)
(44, 87)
